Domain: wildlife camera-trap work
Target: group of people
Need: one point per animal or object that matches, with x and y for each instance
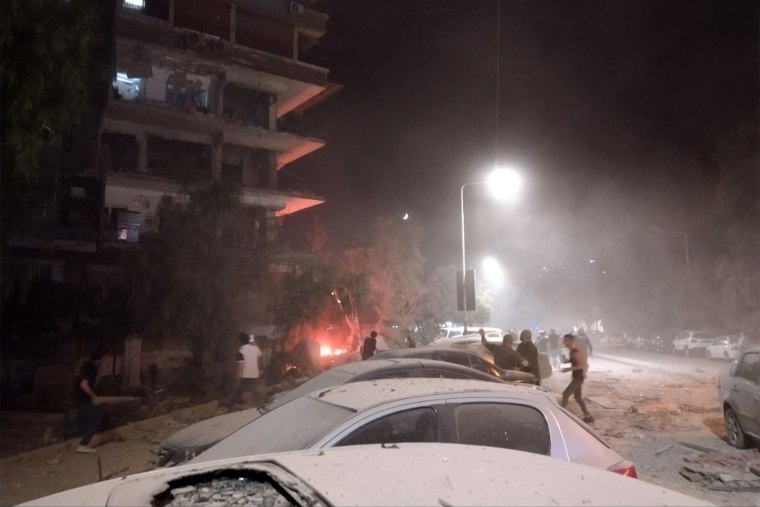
(525, 358)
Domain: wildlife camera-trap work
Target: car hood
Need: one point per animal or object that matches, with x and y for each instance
(211, 430)
(421, 474)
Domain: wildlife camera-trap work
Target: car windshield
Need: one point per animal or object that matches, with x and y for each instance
(330, 378)
(292, 426)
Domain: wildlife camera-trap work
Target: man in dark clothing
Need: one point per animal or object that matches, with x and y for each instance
(504, 356)
(529, 351)
(577, 367)
(90, 415)
(370, 345)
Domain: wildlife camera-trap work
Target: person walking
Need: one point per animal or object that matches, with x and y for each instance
(553, 348)
(504, 356)
(89, 413)
(370, 346)
(578, 368)
(410, 341)
(528, 350)
(249, 366)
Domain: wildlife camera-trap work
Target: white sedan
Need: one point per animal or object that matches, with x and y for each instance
(399, 474)
(723, 347)
(392, 411)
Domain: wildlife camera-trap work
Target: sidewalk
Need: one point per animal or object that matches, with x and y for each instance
(124, 450)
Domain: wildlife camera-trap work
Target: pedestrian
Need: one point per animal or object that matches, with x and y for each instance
(528, 350)
(578, 368)
(89, 412)
(410, 341)
(584, 343)
(504, 356)
(249, 366)
(553, 348)
(369, 346)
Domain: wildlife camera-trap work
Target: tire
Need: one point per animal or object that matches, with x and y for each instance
(734, 432)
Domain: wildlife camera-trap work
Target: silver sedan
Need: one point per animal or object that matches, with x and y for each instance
(388, 412)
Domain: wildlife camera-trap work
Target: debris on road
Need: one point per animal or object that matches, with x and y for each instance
(659, 408)
(697, 447)
(660, 451)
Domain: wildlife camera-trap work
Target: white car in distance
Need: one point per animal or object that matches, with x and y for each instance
(723, 347)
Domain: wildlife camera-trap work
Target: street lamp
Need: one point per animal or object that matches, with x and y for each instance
(504, 183)
(685, 244)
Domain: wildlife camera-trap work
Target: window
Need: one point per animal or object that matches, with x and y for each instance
(506, 425)
(750, 368)
(125, 87)
(453, 357)
(416, 425)
(134, 4)
(397, 373)
(481, 364)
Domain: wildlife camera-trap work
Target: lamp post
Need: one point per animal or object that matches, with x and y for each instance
(503, 183)
(685, 244)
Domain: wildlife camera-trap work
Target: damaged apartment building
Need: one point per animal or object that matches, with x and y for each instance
(200, 92)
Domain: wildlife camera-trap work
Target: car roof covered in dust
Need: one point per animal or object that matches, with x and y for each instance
(402, 474)
(360, 395)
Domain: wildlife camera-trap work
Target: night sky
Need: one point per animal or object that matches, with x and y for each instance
(612, 110)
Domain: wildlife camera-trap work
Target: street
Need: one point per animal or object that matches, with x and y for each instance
(645, 405)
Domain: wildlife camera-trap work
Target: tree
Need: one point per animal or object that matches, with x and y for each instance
(737, 209)
(191, 268)
(45, 48)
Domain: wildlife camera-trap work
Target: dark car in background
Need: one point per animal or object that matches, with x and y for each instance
(661, 341)
(473, 354)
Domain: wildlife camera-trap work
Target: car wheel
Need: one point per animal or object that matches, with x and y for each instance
(736, 436)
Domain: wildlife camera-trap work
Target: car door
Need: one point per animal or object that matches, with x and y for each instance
(745, 392)
(501, 424)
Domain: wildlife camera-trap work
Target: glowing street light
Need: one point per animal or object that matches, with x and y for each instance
(504, 184)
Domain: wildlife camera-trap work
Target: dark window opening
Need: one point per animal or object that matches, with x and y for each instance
(119, 152)
(260, 32)
(179, 160)
(158, 9)
(246, 107)
(205, 16)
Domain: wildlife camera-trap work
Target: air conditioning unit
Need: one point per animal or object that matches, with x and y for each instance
(296, 8)
(194, 39)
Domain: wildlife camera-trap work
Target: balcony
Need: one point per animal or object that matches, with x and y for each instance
(142, 193)
(143, 41)
(134, 118)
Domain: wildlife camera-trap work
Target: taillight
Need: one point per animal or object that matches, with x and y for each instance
(627, 470)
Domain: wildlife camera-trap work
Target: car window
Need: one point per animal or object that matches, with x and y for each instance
(480, 364)
(451, 357)
(441, 373)
(416, 425)
(292, 426)
(506, 425)
(750, 368)
(395, 373)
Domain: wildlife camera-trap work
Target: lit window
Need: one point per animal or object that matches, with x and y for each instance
(134, 4)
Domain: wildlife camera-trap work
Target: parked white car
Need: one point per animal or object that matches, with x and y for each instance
(401, 474)
(723, 347)
(392, 411)
(693, 343)
(739, 395)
